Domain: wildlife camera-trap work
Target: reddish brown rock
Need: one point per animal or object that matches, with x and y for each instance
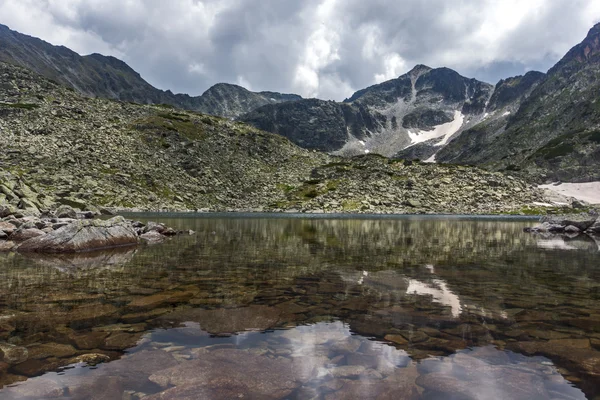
(22, 235)
(161, 299)
(7, 245)
(230, 371)
(89, 340)
(47, 350)
(231, 320)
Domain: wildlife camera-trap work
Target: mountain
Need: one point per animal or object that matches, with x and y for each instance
(227, 100)
(554, 134)
(96, 75)
(61, 147)
(423, 106)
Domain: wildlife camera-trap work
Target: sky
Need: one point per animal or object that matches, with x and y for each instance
(316, 48)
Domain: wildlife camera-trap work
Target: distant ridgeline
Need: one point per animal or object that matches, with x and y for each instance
(546, 126)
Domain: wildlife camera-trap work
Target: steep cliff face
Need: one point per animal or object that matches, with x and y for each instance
(96, 75)
(555, 131)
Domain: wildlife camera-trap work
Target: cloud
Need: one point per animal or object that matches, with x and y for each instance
(317, 48)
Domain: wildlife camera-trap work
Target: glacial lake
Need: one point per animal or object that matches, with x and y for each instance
(294, 307)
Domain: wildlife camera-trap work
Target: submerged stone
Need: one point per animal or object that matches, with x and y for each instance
(230, 371)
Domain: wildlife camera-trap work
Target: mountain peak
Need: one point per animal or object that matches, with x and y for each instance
(419, 69)
(585, 52)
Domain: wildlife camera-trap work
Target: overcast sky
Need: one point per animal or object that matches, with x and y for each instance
(316, 48)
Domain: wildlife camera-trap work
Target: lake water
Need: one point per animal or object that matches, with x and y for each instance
(308, 308)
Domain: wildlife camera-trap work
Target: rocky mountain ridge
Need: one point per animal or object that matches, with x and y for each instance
(424, 107)
(69, 149)
(96, 75)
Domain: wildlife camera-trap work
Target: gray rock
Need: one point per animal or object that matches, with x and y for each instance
(66, 211)
(581, 221)
(83, 236)
(6, 210)
(595, 227)
(152, 237)
(413, 203)
(572, 229)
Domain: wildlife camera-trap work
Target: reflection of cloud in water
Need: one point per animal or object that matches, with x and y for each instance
(438, 290)
(556, 243)
(313, 344)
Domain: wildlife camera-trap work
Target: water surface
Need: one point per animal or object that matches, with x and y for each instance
(299, 308)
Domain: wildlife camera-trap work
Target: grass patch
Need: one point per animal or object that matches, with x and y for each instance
(350, 205)
(593, 137)
(22, 106)
(175, 117)
(558, 151)
(285, 187)
(160, 123)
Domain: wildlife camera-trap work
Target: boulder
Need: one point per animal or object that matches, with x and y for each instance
(6, 210)
(595, 227)
(7, 245)
(21, 235)
(83, 235)
(152, 237)
(66, 211)
(572, 229)
(7, 227)
(580, 221)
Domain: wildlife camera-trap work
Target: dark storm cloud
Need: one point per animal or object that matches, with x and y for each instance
(324, 48)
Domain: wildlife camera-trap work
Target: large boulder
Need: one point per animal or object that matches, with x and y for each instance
(65, 211)
(22, 235)
(6, 210)
(83, 235)
(595, 227)
(581, 221)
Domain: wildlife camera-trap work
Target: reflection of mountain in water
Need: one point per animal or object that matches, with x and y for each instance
(430, 286)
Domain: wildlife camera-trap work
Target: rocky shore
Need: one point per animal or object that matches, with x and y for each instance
(569, 224)
(69, 231)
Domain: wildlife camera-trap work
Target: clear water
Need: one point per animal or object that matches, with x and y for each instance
(296, 308)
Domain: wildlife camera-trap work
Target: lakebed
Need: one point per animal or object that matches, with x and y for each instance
(308, 307)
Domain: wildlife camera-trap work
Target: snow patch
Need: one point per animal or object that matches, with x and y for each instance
(589, 191)
(444, 131)
(431, 159)
(506, 113)
(367, 151)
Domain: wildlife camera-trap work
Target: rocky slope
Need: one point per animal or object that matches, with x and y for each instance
(96, 75)
(61, 147)
(555, 133)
